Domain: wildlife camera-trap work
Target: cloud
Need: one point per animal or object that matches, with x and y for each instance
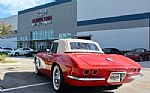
(11, 7)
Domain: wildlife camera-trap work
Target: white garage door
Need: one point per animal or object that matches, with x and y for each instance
(123, 39)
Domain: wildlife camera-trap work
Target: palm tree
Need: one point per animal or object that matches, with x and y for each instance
(5, 29)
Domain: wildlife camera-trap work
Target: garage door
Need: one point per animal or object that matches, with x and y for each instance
(123, 39)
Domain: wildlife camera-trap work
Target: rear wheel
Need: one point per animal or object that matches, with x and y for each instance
(58, 80)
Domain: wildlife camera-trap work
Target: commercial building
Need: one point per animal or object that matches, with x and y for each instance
(40, 25)
(112, 23)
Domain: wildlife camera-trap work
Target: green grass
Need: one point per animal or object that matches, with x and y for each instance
(8, 61)
(4, 59)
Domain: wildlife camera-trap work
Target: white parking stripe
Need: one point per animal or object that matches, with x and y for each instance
(22, 87)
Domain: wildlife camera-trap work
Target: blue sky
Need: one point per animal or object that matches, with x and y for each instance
(11, 7)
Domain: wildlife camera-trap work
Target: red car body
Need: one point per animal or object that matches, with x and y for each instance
(88, 68)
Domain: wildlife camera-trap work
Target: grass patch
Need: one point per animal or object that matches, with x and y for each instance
(8, 61)
(4, 59)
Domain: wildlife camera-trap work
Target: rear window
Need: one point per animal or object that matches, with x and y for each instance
(83, 46)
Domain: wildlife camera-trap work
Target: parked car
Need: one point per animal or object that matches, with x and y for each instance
(1, 49)
(139, 54)
(32, 53)
(20, 51)
(79, 62)
(5, 50)
(112, 51)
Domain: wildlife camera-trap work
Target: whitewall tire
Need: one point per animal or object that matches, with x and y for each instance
(58, 80)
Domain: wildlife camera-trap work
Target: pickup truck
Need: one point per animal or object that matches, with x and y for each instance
(20, 51)
(139, 54)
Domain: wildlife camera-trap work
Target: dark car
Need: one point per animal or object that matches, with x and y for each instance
(112, 51)
(32, 53)
(139, 54)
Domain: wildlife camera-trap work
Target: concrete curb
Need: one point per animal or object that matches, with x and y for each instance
(11, 64)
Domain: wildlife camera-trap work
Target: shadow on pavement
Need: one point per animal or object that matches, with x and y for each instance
(88, 90)
(17, 79)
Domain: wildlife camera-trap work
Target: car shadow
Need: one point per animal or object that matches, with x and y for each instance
(17, 79)
(88, 90)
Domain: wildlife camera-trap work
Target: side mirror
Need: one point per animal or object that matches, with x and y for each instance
(47, 50)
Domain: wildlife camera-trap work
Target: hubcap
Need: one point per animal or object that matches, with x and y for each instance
(56, 77)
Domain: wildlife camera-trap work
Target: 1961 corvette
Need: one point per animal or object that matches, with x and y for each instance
(77, 62)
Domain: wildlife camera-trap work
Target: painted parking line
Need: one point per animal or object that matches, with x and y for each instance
(22, 87)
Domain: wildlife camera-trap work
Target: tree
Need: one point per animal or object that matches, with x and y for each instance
(5, 29)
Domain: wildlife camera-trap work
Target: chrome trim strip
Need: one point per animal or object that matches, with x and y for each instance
(86, 79)
(135, 76)
(130, 73)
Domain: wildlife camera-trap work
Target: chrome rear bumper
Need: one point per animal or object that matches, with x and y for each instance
(86, 79)
(135, 76)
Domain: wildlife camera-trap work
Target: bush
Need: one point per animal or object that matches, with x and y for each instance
(2, 57)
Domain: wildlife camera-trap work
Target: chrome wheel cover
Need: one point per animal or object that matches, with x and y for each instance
(56, 78)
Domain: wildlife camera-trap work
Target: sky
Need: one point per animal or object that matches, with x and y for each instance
(11, 7)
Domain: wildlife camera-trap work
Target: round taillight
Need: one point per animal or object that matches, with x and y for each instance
(86, 72)
(139, 70)
(95, 72)
(134, 70)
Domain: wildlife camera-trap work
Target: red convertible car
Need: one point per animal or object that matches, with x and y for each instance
(77, 62)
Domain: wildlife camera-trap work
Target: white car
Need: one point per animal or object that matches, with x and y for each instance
(1, 49)
(5, 50)
(20, 51)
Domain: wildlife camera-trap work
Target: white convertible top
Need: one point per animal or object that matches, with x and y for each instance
(64, 45)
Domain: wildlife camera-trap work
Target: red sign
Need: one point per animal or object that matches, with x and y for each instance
(37, 20)
(42, 20)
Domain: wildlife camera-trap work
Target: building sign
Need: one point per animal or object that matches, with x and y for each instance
(42, 19)
(41, 12)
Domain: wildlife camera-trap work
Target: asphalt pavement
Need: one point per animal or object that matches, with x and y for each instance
(20, 78)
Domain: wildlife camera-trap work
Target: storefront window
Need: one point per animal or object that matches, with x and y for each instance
(42, 34)
(23, 38)
(64, 35)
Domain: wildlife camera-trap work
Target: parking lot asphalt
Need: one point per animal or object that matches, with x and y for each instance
(20, 78)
